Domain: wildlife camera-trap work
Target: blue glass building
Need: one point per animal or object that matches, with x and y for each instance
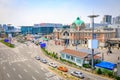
(9, 29)
(43, 28)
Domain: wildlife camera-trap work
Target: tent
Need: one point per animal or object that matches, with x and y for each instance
(106, 65)
(6, 40)
(42, 45)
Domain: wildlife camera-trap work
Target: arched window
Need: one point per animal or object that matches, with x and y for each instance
(65, 33)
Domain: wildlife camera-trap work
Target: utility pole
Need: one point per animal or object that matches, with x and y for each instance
(93, 35)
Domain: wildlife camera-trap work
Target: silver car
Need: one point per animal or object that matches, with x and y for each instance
(53, 64)
(77, 74)
(43, 60)
(37, 57)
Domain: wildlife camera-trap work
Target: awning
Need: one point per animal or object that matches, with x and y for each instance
(106, 65)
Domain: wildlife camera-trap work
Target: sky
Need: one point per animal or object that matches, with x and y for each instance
(30, 12)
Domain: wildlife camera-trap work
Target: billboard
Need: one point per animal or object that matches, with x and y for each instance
(93, 44)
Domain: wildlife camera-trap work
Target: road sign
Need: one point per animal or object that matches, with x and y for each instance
(94, 36)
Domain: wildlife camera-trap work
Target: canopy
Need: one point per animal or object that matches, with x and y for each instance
(106, 65)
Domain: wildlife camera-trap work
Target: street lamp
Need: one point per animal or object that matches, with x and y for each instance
(93, 35)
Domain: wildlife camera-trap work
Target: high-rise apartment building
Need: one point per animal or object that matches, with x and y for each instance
(116, 20)
(107, 19)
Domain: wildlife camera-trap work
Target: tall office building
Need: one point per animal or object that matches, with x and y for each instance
(107, 19)
(116, 20)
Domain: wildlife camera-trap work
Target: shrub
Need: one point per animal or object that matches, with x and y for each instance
(99, 71)
(110, 74)
(117, 78)
(86, 66)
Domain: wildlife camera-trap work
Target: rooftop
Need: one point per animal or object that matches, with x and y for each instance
(74, 53)
(78, 53)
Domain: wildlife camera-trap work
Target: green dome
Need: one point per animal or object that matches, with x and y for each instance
(73, 25)
(78, 22)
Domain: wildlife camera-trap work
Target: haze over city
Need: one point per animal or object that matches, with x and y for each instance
(29, 12)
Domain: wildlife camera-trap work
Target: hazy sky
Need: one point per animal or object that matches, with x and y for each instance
(29, 12)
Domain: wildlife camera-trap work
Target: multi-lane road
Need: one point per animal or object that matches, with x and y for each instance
(19, 64)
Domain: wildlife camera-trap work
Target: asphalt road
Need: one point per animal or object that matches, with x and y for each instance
(19, 64)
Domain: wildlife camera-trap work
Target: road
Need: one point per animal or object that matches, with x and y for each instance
(19, 64)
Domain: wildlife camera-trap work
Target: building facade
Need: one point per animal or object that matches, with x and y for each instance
(116, 20)
(9, 29)
(77, 34)
(77, 57)
(42, 28)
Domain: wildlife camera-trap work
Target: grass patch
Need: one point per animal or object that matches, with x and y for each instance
(7, 44)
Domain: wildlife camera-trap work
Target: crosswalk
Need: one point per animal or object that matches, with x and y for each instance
(51, 76)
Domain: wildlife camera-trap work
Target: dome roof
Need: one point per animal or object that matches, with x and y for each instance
(78, 21)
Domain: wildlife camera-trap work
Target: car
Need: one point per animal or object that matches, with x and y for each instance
(53, 64)
(62, 68)
(77, 74)
(43, 61)
(37, 57)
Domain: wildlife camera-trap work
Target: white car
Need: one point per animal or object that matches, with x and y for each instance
(53, 64)
(77, 74)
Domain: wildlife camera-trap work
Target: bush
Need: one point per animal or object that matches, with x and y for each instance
(117, 78)
(99, 71)
(110, 74)
(50, 54)
(107, 73)
(86, 66)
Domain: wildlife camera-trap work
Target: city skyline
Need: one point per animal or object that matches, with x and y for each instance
(29, 12)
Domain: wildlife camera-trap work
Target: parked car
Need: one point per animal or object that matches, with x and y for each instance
(77, 74)
(43, 60)
(53, 64)
(62, 68)
(37, 57)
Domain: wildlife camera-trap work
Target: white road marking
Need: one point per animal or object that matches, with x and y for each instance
(14, 69)
(49, 74)
(25, 70)
(8, 75)
(43, 69)
(37, 71)
(20, 76)
(33, 78)
(56, 78)
(4, 68)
